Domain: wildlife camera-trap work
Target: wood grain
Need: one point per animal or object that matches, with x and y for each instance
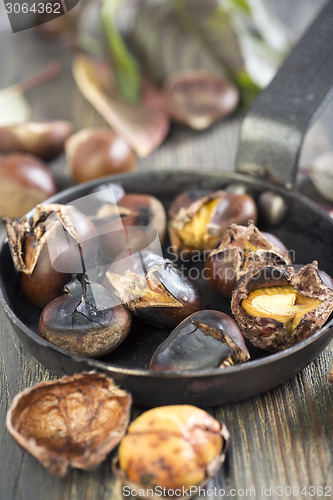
(280, 438)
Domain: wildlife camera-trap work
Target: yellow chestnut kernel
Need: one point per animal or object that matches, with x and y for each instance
(282, 303)
(195, 234)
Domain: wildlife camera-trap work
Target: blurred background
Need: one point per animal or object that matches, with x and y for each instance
(243, 41)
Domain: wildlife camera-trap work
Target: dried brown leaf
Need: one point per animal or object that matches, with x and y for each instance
(144, 126)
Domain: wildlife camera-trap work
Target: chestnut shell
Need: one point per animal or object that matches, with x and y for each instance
(88, 320)
(72, 422)
(132, 280)
(268, 333)
(231, 208)
(30, 240)
(204, 340)
(230, 260)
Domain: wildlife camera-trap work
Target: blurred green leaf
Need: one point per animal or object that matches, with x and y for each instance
(125, 67)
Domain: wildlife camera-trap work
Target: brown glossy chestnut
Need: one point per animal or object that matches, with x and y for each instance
(279, 306)
(240, 248)
(72, 422)
(48, 247)
(43, 139)
(86, 320)
(272, 208)
(204, 340)
(132, 225)
(199, 219)
(24, 182)
(154, 289)
(199, 98)
(171, 447)
(95, 153)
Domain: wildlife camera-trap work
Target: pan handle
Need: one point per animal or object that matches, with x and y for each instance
(274, 128)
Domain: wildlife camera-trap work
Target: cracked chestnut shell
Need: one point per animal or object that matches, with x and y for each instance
(173, 447)
(204, 340)
(279, 306)
(72, 422)
(154, 289)
(60, 229)
(241, 248)
(199, 219)
(133, 224)
(86, 320)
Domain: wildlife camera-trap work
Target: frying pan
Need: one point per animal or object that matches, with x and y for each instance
(271, 139)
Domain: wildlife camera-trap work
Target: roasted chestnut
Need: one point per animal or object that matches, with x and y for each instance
(48, 247)
(43, 139)
(24, 182)
(171, 447)
(240, 248)
(154, 289)
(272, 208)
(204, 340)
(199, 219)
(131, 225)
(94, 153)
(278, 306)
(86, 320)
(199, 98)
(72, 422)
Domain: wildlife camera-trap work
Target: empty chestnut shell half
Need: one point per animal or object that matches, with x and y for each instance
(199, 98)
(72, 422)
(241, 248)
(199, 219)
(171, 447)
(154, 289)
(86, 320)
(131, 225)
(279, 306)
(48, 247)
(204, 340)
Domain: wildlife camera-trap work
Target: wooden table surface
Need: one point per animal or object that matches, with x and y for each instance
(280, 439)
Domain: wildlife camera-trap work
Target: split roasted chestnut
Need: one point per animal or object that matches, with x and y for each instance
(198, 219)
(240, 248)
(42, 139)
(154, 289)
(131, 225)
(204, 340)
(72, 422)
(279, 306)
(48, 247)
(94, 153)
(86, 320)
(171, 447)
(24, 182)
